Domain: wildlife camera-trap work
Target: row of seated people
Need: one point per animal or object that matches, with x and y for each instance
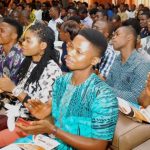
(80, 100)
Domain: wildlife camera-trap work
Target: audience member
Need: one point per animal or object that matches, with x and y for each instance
(144, 25)
(84, 108)
(129, 70)
(68, 31)
(55, 15)
(36, 74)
(107, 60)
(85, 18)
(122, 13)
(10, 53)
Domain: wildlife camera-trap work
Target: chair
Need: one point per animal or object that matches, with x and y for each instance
(130, 134)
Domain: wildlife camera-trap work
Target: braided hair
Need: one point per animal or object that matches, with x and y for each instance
(45, 34)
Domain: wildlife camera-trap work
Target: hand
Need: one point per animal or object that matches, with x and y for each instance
(38, 109)
(37, 127)
(6, 84)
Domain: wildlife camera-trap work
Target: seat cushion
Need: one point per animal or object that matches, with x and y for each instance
(129, 134)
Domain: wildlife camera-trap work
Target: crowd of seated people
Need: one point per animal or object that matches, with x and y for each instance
(105, 56)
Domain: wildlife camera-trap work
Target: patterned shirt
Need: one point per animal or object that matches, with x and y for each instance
(107, 61)
(128, 79)
(145, 42)
(144, 32)
(89, 109)
(10, 64)
(43, 89)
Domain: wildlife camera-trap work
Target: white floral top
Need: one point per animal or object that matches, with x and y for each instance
(46, 81)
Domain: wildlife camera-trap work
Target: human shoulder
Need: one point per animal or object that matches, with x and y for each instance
(64, 78)
(52, 67)
(99, 85)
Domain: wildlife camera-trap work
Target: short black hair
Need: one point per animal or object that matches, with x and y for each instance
(83, 11)
(75, 18)
(134, 23)
(96, 38)
(116, 17)
(15, 24)
(147, 14)
(93, 11)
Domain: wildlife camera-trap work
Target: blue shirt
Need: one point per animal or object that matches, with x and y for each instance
(89, 109)
(128, 79)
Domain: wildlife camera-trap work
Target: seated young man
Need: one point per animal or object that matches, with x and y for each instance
(129, 70)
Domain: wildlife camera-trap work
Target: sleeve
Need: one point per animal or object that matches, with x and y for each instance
(104, 115)
(18, 58)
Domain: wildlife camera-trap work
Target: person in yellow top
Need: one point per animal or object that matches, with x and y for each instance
(122, 13)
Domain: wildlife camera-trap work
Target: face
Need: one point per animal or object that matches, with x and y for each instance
(116, 24)
(143, 21)
(71, 12)
(15, 15)
(80, 54)
(52, 12)
(133, 7)
(6, 33)
(63, 35)
(101, 27)
(139, 14)
(31, 46)
(119, 39)
(63, 12)
(99, 16)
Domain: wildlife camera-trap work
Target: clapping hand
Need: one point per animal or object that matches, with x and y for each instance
(38, 109)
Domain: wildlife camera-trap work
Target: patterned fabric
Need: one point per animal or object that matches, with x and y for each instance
(10, 64)
(145, 42)
(107, 61)
(42, 90)
(144, 32)
(89, 109)
(128, 79)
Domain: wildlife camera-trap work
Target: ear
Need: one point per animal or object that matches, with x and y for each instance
(130, 37)
(95, 61)
(67, 36)
(43, 45)
(106, 34)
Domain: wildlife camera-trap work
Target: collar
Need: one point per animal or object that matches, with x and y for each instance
(131, 59)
